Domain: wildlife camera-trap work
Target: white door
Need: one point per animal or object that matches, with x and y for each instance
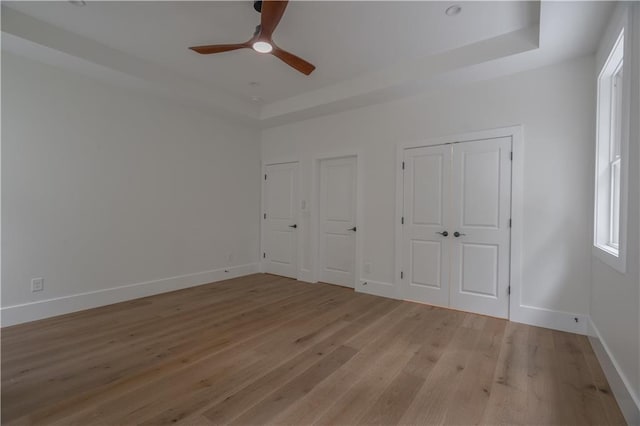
(456, 232)
(337, 208)
(426, 248)
(481, 211)
(279, 238)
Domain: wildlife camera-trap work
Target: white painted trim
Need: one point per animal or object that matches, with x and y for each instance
(32, 311)
(306, 275)
(264, 164)
(379, 288)
(617, 261)
(517, 186)
(398, 218)
(499, 132)
(547, 318)
(623, 392)
(517, 221)
(315, 212)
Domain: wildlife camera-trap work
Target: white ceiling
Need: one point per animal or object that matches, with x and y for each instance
(351, 43)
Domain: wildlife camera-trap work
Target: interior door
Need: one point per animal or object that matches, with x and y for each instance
(481, 210)
(337, 208)
(425, 256)
(280, 248)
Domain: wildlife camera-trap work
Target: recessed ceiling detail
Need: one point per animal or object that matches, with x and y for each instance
(366, 52)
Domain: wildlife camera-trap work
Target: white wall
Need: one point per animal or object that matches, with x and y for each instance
(103, 187)
(554, 104)
(615, 296)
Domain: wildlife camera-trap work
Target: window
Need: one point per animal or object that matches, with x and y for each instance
(610, 173)
(615, 158)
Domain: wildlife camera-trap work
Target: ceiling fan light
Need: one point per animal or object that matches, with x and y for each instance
(262, 47)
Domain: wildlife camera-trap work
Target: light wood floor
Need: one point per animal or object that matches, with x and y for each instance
(264, 349)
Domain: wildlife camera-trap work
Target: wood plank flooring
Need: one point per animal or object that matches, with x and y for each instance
(269, 350)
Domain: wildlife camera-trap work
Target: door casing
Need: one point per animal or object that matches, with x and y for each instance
(517, 179)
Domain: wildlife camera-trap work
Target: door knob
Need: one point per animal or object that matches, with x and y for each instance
(352, 229)
(295, 225)
(444, 233)
(457, 234)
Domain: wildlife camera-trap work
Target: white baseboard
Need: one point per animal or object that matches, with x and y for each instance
(17, 314)
(378, 288)
(628, 401)
(556, 320)
(306, 276)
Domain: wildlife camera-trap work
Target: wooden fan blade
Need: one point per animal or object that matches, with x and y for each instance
(293, 61)
(217, 48)
(272, 11)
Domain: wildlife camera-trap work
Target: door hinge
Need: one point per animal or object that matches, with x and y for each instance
(509, 290)
(402, 220)
(401, 275)
(265, 215)
(265, 176)
(403, 165)
(264, 255)
(509, 223)
(511, 155)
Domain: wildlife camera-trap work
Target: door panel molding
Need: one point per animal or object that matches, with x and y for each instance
(517, 311)
(481, 207)
(337, 216)
(274, 239)
(314, 213)
(425, 250)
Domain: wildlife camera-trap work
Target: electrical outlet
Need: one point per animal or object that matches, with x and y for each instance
(37, 284)
(229, 258)
(367, 268)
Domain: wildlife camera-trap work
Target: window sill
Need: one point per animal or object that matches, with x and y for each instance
(609, 256)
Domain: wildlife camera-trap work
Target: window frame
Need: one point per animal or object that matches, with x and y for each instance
(611, 153)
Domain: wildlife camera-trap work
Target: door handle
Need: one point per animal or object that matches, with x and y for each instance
(352, 229)
(295, 225)
(443, 233)
(457, 234)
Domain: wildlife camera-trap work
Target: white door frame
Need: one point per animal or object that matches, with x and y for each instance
(517, 181)
(315, 212)
(261, 264)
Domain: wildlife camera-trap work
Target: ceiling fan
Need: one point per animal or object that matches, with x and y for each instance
(271, 12)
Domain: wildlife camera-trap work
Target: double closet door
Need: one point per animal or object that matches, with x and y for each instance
(456, 231)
